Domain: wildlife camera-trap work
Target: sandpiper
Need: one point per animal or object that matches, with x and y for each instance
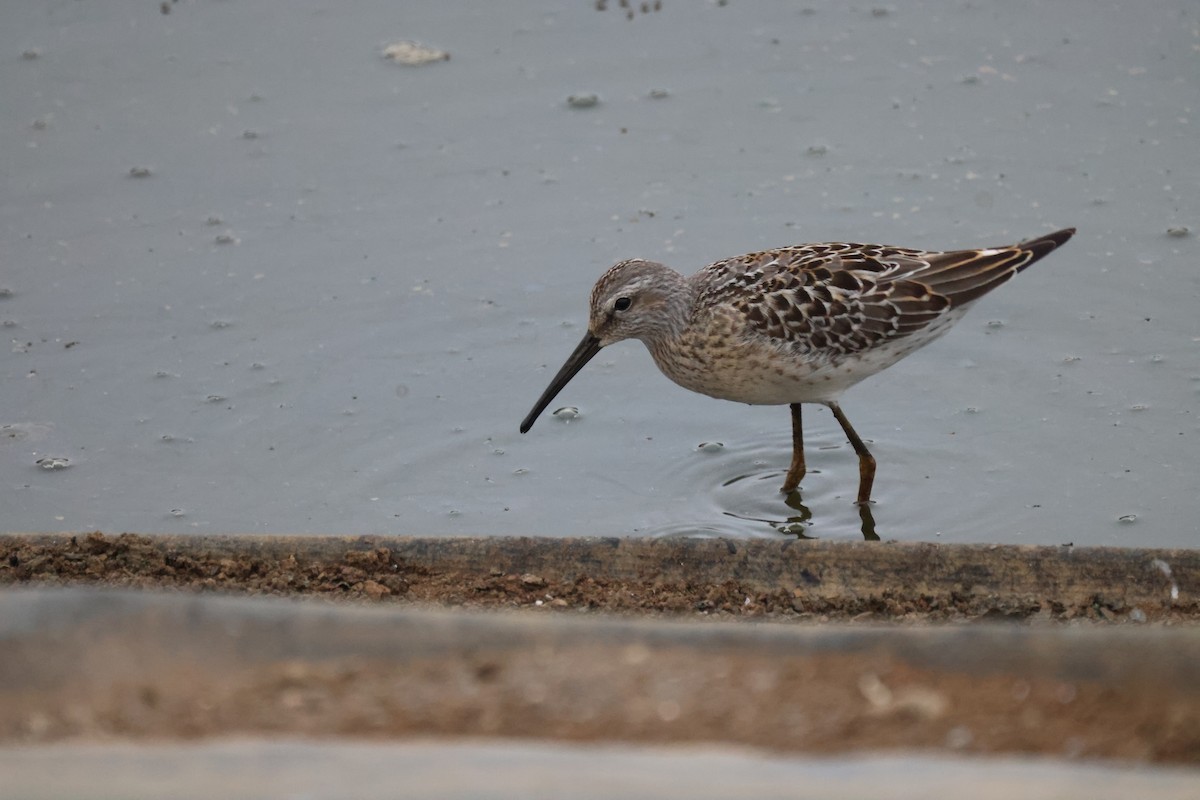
(795, 325)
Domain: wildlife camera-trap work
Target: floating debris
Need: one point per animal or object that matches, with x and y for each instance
(53, 462)
(567, 413)
(586, 100)
(414, 54)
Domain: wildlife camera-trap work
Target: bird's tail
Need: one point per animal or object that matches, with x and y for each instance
(1042, 246)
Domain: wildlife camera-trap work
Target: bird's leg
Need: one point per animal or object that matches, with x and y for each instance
(866, 461)
(798, 468)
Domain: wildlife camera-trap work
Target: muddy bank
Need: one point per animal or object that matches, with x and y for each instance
(692, 577)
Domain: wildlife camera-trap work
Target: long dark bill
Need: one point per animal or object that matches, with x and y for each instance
(583, 354)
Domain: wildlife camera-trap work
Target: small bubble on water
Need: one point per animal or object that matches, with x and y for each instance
(995, 323)
(219, 324)
(499, 451)
(1178, 231)
(520, 471)
(257, 365)
(1071, 359)
(162, 373)
(215, 398)
(1157, 359)
(1138, 407)
(177, 512)
(710, 447)
(53, 462)
(972, 409)
(566, 413)
(166, 437)
(1127, 518)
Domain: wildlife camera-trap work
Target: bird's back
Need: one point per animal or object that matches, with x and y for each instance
(804, 323)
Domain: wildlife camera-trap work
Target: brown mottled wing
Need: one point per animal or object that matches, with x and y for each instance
(843, 297)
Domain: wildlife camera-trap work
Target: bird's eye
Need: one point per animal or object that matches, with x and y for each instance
(622, 304)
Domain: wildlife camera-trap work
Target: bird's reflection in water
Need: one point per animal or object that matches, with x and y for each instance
(799, 523)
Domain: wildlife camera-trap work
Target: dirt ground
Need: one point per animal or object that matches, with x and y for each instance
(820, 700)
(393, 574)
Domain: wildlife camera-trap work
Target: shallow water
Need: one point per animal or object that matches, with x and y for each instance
(340, 283)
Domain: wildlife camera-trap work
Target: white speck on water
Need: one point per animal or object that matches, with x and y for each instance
(414, 54)
(710, 447)
(566, 413)
(1127, 518)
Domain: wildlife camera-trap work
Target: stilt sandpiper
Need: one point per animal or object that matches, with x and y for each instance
(796, 325)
